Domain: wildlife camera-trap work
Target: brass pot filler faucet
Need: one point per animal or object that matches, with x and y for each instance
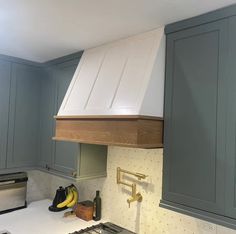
(135, 196)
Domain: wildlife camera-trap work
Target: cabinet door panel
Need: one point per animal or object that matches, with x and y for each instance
(5, 71)
(65, 153)
(66, 156)
(23, 138)
(195, 117)
(46, 119)
(230, 180)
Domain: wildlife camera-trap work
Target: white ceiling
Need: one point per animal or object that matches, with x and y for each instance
(40, 30)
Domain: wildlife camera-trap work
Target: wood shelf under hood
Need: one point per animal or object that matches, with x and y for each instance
(130, 131)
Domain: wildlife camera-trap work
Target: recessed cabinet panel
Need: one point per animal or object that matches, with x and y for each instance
(195, 118)
(5, 71)
(23, 136)
(195, 101)
(46, 119)
(66, 157)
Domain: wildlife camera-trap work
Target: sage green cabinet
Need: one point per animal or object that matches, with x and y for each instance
(23, 132)
(5, 76)
(199, 170)
(194, 140)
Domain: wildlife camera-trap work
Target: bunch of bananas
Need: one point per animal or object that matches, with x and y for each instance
(71, 197)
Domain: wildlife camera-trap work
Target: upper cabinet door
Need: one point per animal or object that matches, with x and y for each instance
(65, 153)
(5, 71)
(195, 109)
(230, 180)
(23, 137)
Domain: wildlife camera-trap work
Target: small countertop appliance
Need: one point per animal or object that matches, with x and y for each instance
(13, 191)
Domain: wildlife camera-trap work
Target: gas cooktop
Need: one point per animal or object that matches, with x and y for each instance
(103, 228)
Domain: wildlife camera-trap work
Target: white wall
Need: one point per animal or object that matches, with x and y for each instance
(144, 218)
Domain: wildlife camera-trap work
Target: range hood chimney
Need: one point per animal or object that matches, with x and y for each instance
(116, 94)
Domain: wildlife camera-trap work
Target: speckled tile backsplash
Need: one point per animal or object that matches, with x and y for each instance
(145, 217)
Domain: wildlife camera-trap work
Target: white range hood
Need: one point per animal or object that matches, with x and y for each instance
(118, 82)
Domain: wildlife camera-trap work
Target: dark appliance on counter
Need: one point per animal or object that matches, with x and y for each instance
(60, 196)
(104, 228)
(13, 191)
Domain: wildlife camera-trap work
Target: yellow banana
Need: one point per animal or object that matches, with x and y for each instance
(68, 199)
(75, 197)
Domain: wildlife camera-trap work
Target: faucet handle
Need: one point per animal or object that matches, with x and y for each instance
(129, 201)
(139, 197)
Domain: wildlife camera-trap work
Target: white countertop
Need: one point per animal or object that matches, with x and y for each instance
(37, 219)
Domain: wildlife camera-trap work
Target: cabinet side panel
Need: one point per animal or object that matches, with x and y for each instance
(230, 180)
(93, 161)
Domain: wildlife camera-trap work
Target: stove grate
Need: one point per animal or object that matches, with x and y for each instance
(103, 228)
(90, 230)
